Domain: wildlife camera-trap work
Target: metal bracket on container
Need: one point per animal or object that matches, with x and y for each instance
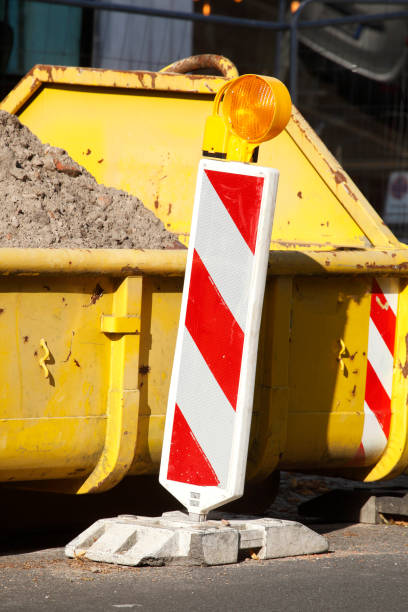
(123, 394)
(128, 324)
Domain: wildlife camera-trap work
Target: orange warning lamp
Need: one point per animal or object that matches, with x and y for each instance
(254, 109)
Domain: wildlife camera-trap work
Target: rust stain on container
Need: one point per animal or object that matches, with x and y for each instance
(371, 265)
(70, 348)
(97, 293)
(341, 179)
(302, 129)
(404, 368)
(130, 270)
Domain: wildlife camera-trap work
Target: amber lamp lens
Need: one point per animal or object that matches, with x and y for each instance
(249, 107)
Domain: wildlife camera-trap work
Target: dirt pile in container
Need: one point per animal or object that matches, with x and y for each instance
(48, 201)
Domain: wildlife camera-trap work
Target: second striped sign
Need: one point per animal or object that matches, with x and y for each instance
(380, 369)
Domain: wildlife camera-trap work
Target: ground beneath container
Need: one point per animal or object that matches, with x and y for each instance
(299, 495)
(49, 201)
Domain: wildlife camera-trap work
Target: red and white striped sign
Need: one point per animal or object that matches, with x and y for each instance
(380, 363)
(210, 399)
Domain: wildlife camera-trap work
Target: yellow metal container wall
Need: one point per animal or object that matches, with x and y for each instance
(309, 403)
(100, 412)
(109, 318)
(52, 426)
(101, 407)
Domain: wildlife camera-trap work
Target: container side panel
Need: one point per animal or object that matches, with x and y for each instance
(53, 407)
(327, 376)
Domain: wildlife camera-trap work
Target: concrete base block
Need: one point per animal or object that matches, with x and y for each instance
(174, 539)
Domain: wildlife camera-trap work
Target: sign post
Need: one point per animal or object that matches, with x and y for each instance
(209, 409)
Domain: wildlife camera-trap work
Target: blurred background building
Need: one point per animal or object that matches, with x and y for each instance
(351, 81)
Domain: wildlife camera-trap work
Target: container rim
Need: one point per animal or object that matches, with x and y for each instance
(129, 262)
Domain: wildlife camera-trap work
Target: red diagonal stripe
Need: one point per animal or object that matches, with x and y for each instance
(383, 316)
(241, 196)
(214, 330)
(187, 460)
(377, 399)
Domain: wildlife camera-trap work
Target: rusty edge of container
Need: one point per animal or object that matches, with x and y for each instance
(127, 262)
(42, 74)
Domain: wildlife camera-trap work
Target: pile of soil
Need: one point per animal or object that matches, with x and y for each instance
(47, 200)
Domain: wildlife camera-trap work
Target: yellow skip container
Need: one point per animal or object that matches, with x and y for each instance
(88, 335)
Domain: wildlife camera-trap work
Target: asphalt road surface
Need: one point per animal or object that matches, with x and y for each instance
(366, 569)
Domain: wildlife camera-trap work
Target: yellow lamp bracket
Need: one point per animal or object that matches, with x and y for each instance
(247, 111)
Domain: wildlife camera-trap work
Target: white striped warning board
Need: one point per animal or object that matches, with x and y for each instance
(210, 400)
(380, 363)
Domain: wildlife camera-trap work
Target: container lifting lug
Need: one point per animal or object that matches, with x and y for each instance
(44, 358)
(342, 353)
